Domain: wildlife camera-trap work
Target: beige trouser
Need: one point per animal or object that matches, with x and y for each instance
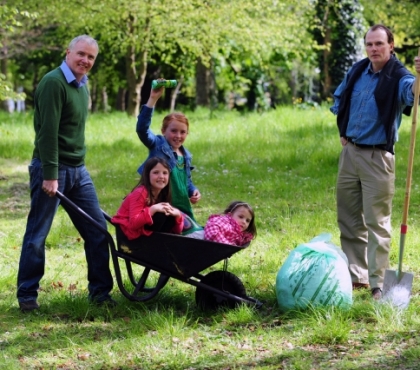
(365, 188)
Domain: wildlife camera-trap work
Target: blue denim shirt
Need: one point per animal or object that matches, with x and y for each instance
(159, 147)
(364, 125)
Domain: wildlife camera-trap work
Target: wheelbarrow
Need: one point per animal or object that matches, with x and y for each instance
(171, 256)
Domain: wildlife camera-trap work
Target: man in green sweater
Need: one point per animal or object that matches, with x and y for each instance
(61, 108)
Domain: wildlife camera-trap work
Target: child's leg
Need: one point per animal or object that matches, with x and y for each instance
(161, 222)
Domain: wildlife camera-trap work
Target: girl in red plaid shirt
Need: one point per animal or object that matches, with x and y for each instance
(236, 226)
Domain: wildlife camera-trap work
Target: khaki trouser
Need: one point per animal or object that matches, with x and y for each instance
(365, 188)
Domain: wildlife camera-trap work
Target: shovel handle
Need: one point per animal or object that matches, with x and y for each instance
(412, 147)
(409, 169)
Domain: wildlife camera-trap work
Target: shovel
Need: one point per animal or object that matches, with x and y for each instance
(398, 284)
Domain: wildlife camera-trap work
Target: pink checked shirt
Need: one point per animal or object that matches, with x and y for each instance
(224, 229)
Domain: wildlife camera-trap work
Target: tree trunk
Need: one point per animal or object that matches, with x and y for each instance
(8, 105)
(94, 97)
(136, 77)
(327, 77)
(202, 84)
(105, 107)
(121, 98)
(212, 88)
(134, 85)
(135, 80)
(293, 83)
(174, 93)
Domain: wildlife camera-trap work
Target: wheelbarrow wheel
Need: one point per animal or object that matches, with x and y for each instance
(223, 281)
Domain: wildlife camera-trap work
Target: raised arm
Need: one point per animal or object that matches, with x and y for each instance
(155, 94)
(144, 120)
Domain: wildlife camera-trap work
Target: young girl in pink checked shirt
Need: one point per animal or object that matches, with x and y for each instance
(236, 226)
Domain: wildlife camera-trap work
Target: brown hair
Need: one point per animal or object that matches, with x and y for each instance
(174, 116)
(165, 194)
(389, 33)
(236, 204)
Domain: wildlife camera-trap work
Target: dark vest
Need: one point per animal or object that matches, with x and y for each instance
(386, 96)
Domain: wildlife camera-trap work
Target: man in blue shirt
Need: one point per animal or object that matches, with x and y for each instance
(369, 104)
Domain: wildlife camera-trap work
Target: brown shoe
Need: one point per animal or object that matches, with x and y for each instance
(360, 286)
(376, 294)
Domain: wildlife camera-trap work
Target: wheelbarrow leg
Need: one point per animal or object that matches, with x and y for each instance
(163, 279)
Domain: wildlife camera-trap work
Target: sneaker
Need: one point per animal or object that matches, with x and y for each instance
(376, 294)
(28, 306)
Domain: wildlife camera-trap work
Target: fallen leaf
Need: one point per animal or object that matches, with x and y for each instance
(83, 356)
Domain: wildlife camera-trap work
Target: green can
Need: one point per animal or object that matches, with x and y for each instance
(165, 83)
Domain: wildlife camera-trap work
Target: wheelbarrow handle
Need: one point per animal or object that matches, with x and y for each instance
(80, 211)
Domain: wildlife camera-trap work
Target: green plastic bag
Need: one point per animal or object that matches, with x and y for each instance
(314, 273)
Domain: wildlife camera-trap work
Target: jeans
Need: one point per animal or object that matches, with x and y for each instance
(76, 184)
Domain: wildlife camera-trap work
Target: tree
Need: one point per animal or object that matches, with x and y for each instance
(189, 30)
(10, 21)
(403, 18)
(338, 30)
(136, 31)
(141, 38)
(257, 40)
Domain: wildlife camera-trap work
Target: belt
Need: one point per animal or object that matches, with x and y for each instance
(364, 146)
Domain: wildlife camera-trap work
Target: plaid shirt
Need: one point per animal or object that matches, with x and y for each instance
(224, 229)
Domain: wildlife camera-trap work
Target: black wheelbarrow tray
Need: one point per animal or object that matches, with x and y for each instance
(172, 256)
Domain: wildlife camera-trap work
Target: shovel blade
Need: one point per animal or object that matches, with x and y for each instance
(397, 287)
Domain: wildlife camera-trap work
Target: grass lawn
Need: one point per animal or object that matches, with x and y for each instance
(284, 163)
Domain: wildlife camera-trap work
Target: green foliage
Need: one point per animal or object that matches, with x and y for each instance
(258, 56)
(6, 89)
(338, 29)
(403, 18)
(10, 21)
(169, 37)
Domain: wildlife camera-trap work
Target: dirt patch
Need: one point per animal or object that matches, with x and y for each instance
(14, 190)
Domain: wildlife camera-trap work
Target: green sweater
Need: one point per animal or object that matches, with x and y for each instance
(59, 121)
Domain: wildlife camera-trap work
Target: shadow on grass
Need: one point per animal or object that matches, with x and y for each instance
(63, 320)
(15, 199)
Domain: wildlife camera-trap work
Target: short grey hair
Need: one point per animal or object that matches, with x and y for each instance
(86, 38)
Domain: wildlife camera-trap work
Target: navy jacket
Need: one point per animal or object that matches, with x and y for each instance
(386, 96)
